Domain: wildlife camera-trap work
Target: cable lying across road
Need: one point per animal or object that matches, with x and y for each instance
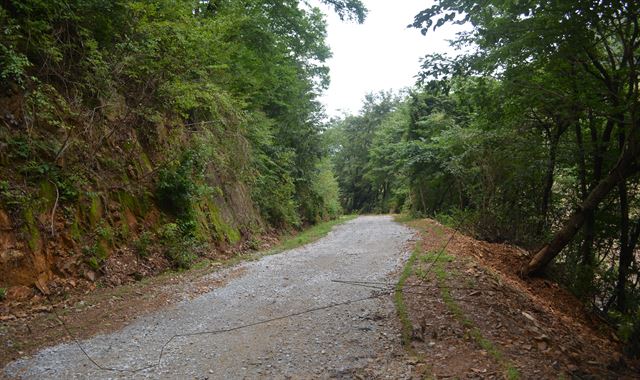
(385, 286)
(390, 286)
(207, 332)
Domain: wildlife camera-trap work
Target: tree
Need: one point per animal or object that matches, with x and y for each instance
(597, 39)
(355, 135)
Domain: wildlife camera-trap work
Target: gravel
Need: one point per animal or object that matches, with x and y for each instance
(358, 338)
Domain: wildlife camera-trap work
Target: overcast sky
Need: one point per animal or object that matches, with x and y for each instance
(380, 54)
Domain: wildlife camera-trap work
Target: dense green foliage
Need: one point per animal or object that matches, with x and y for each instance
(206, 108)
(529, 137)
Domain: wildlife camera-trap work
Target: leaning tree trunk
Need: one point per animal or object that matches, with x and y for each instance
(628, 241)
(623, 168)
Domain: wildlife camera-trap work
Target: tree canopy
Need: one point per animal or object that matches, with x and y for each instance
(528, 135)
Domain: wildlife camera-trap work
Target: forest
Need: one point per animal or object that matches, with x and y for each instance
(158, 130)
(530, 136)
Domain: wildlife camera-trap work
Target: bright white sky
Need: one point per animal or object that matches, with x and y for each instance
(381, 54)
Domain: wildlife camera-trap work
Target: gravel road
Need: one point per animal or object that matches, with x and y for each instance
(357, 339)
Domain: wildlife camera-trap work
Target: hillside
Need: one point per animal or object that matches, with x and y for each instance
(137, 137)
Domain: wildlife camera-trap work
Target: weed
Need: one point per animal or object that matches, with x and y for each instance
(13, 198)
(95, 255)
(105, 232)
(401, 308)
(470, 282)
(202, 264)
(19, 148)
(179, 246)
(142, 243)
(253, 243)
(512, 373)
(177, 189)
(436, 257)
(3, 294)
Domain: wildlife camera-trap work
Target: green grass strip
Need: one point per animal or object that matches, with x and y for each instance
(442, 275)
(401, 307)
(404, 218)
(309, 235)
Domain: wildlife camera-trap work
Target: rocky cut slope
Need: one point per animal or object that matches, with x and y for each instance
(72, 198)
(135, 135)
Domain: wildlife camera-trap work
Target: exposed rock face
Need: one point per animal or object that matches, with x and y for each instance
(38, 245)
(20, 263)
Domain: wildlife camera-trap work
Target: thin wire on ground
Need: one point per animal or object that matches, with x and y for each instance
(206, 332)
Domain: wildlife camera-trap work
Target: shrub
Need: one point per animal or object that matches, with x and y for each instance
(179, 246)
(95, 256)
(175, 189)
(142, 243)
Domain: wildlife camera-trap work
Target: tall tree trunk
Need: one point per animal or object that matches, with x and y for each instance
(623, 168)
(582, 165)
(599, 149)
(385, 192)
(590, 223)
(628, 241)
(549, 177)
(424, 204)
(625, 252)
(443, 195)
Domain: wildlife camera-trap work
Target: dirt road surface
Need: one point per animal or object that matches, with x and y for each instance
(285, 317)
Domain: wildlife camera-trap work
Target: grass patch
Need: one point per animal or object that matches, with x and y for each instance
(202, 264)
(404, 218)
(398, 299)
(309, 235)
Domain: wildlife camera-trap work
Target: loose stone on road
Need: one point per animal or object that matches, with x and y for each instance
(358, 338)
